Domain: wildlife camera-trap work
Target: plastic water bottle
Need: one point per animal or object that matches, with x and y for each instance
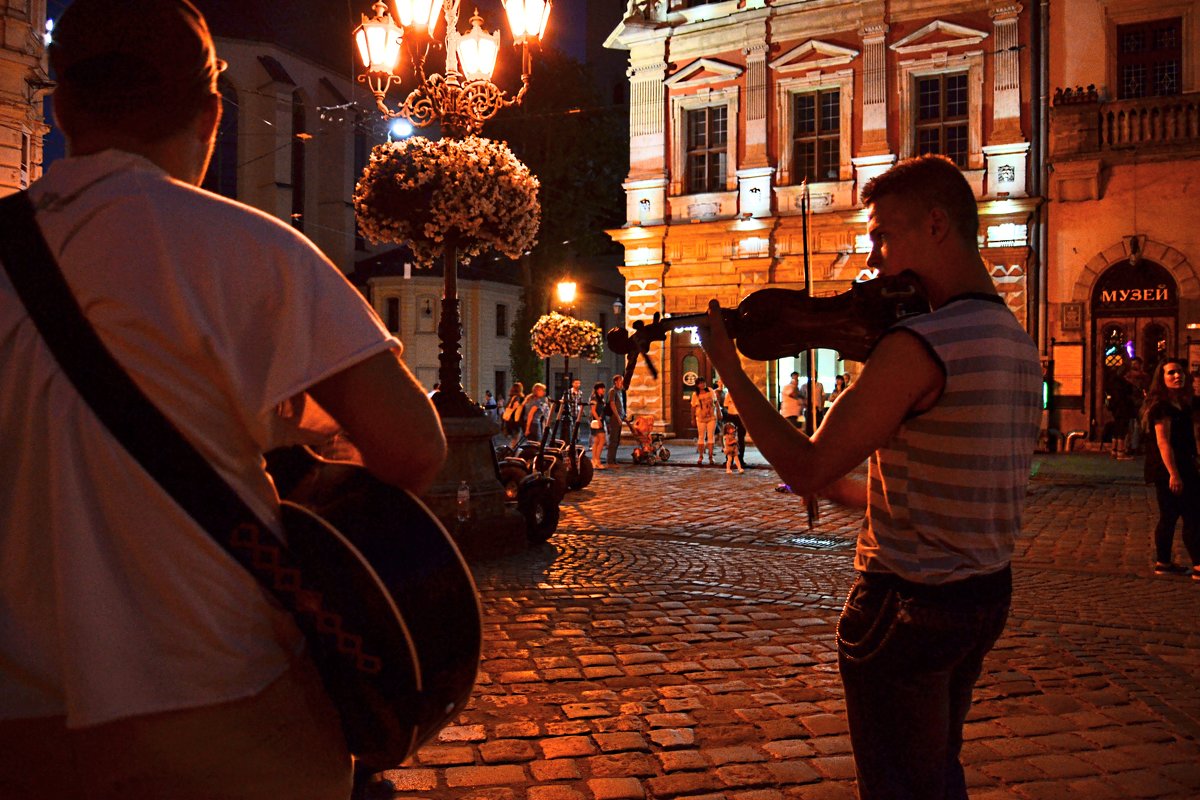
(464, 501)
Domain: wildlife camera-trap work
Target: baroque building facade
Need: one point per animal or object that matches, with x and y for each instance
(745, 113)
(23, 84)
(1123, 197)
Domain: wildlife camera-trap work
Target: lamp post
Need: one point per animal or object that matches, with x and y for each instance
(565, 290)
(461, 98)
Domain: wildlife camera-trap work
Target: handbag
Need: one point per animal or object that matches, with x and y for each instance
(375, 606)
(595, 424)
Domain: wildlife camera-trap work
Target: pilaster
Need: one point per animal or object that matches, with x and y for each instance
(1006, 74)
(756, 103)
(874, 108)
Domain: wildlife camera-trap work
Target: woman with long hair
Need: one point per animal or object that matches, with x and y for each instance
(598, 403)
(1171, 465)
(511, 417)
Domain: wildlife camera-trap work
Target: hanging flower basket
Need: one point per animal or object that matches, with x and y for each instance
(556, 335)
(472, 193)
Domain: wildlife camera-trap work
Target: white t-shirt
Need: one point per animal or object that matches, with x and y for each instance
(113, 602)
(790, 401)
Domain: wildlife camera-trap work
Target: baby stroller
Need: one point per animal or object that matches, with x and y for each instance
(650, 448)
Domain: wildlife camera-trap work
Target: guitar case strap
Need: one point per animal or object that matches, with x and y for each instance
(130, 416)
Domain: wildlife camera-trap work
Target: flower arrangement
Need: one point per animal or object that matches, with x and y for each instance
(471, 193)
(555, 334)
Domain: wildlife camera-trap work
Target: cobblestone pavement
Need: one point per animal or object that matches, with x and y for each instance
(675, 639)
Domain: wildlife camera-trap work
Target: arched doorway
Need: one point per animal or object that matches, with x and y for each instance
(1135, 314)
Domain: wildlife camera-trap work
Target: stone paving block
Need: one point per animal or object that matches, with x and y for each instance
(800, 771)
(669, 720)
(563, 674)
(556, 791)
(434, 755)
(559, 769)
(506, 751)
(567, 728)
(669, 738)
(788, 748)
(584, 710)
(744, 776)
(682, 704)
(823, 791)
(1062, 766)
(616, 788)
(568, 747)
(740, 754)
(462, 733)
(1145, 783)
(1013, 771)
(410, 780)
(596, 673)
(756, 794)
(617, 742)
(490, 793)
(683, 783)
(623, 765)
(458, 777)
(517, 730)
(682, 760)
(526, 676)
(825, 724)
(831, 745)
(624, 723)
(831, 766)
(1033, 725)
(1092, 789)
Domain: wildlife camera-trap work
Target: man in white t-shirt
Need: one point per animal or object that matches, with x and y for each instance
(137, 659)
(789, 402)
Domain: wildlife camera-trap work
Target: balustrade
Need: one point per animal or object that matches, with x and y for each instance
(1150, 121)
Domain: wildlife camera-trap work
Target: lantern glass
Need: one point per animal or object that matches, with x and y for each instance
(527, 18)
(419, 13)
(566, 292)
(477, 51)
(378, 41)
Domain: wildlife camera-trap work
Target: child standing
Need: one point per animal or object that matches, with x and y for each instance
(729, 440)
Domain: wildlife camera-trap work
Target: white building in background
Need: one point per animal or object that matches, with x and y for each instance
(23, 84)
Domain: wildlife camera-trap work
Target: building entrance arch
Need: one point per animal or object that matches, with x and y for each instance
(1135, 314)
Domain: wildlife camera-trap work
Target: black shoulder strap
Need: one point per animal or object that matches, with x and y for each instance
(116, 400)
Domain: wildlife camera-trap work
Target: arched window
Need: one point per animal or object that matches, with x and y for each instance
(300, 136)
(222, 175)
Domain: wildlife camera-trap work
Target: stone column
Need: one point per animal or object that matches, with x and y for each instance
(1006, 74)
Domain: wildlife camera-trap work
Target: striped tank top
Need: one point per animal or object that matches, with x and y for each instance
(946, 492)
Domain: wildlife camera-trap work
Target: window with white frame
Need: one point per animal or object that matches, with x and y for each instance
(720, 107)
(941, 101)
(707, 149)
(816, 135)
(942, 116)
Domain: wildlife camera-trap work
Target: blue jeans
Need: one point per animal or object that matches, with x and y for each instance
(909, 659)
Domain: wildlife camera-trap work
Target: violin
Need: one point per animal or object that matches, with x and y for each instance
(774, 323)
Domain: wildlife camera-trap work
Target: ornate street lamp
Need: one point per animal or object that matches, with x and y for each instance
(463, 97)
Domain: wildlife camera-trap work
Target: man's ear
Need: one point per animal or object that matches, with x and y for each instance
(938, 224)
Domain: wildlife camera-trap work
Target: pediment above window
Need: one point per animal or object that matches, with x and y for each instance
(813, 54)
(939, 35)
(703, 71)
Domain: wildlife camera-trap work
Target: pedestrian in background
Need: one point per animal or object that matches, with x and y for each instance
(704, 415)
(536, 412)
(729, 444)
(789, 402)
(1171, 465)
(618, 415)
(733, 417)
(489, 404)
(933, 558)
(597, 410)
(511, 420)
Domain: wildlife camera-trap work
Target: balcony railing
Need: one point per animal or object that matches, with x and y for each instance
(1150, 121)
(1081, 124)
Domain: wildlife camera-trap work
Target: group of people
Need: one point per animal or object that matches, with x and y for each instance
(712, 410)
(604, 412)
(794, 398)
(182, 679)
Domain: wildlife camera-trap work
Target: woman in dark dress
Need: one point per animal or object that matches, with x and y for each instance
(1171, 465)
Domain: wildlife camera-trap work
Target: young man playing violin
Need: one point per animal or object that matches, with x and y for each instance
(945, 412)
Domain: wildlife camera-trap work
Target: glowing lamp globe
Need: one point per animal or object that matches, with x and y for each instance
(477, 51)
